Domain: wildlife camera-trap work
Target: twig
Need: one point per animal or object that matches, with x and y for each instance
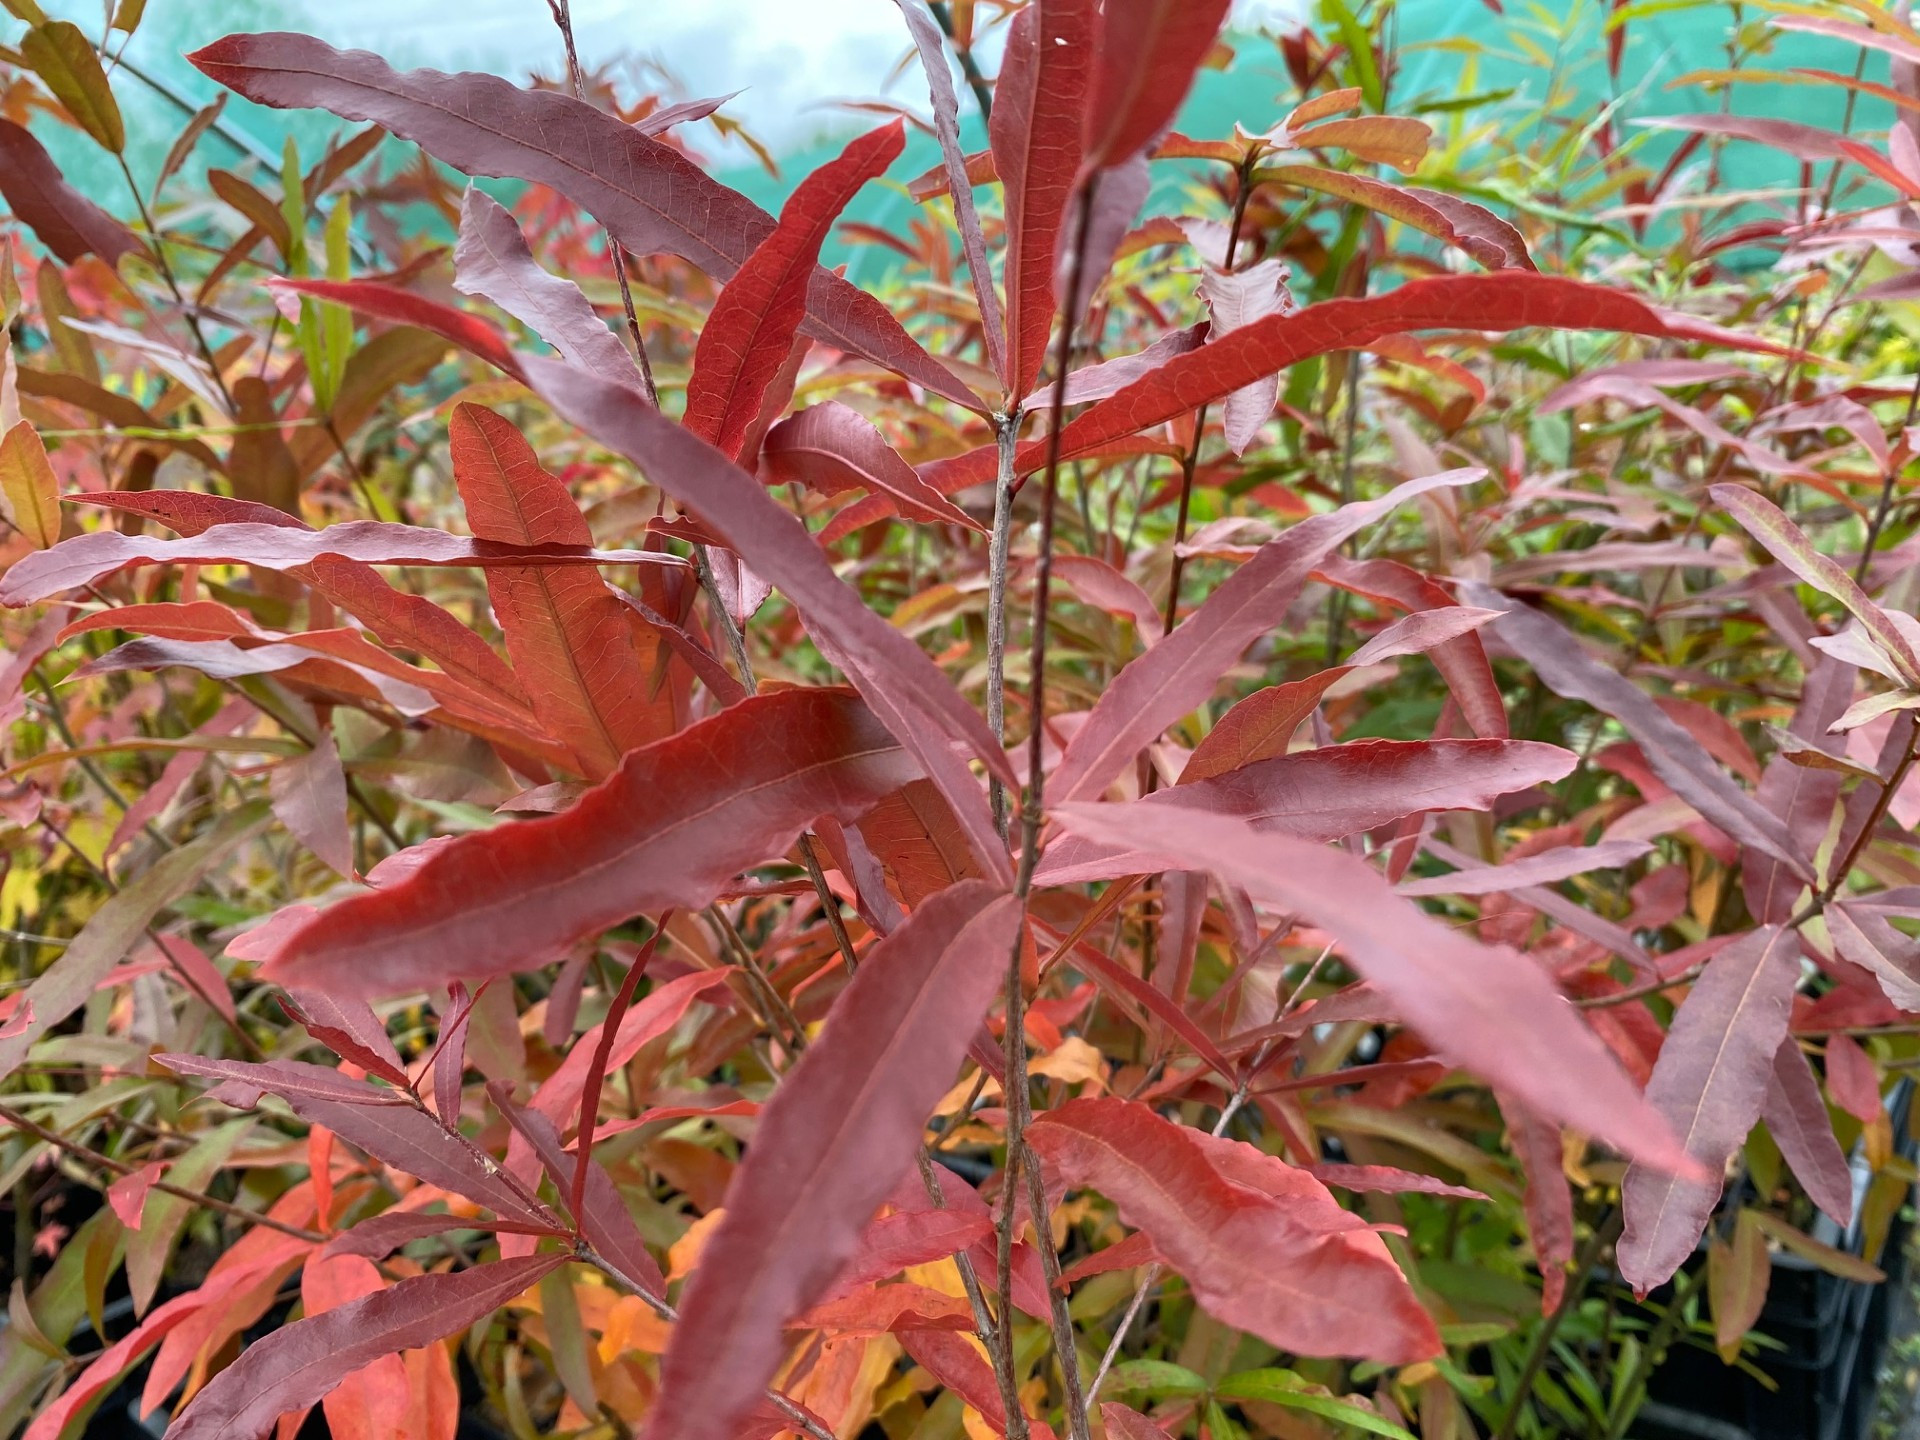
(828, 902)
(1006, 430)
(563, 17)
(10, 1116)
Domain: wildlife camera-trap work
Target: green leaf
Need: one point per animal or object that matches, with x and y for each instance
(166, 1215)
(65, 60)
(1283, 1387)
(1157, 1378)
(111, 932)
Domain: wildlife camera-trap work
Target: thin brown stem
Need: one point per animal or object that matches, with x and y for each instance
(10, 1116)
(562, 12)
(1006, 430)
(830, 903)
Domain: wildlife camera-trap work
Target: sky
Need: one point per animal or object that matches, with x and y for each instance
(794, 57)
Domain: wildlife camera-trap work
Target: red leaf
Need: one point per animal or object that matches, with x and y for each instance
(1852, 1079)
(1467, 227)
(1125, 1424)
(492, 261)
(669, 828)
(1104, 588)
(569, 636)
(403, 307)
(1790, 137)
(86, 558)
(1802, 796)
(1565, 667)
(832, 447)
(1149, 51)
(880, 1308)
(1541, 868)
(110, 1366)
(908, 692)
(1549, 1203)
(243, 1082)
(918, 1237)
(291, 1368)
(1709, 1084)
(310, 797)
(189, 512)
(66, 222)
(1387, 1180)
(650, 197)
(397, 1134)
(405, 621)
(128, 1194)
(958, 1366)
(349, 1028)
(370, 1403)
(1035, 130)
(752, 324)
(1796, 1117)
(1510, 301)
(1264, 1246)
(1488, 1010)
(380, 1235)
(946, 127)
(1325, 794)
(1182, 670)
(832, 1143)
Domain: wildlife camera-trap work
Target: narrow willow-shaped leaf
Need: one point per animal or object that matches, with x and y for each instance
(650, 197)
(912, 697)
(64, 220)
(752, 325)
(295, 1366)
(1149, 51)
(1487, 1009)
(669, 828)
(1182, 670)
(569, 636)
(1709, 1084)
(833, 1141)
(1035, 130)
(1264, 1246)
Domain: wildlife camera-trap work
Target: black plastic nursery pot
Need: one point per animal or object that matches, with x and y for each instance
(1831, 1332)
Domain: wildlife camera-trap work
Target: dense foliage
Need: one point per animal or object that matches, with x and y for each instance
(606, 829)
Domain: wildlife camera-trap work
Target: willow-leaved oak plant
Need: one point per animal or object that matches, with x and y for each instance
(759, 910)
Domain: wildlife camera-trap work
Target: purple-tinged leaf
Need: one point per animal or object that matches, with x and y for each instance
(668, 829)
(379, 1236)
(1796, 1116)
(1800, 794)
(650, 197)
(1565, 667)
(1326, 794)
(1789, 544)
(1101, 586)
(1483, 1008)
(833, 1141)
(1709, 1084)
(494, 262)
(349, 1028)
(66, 222)
(243, 1082)
(1542, 868)
(833, 447)
(310, 797)
(299, 1364)
(1182, 670)
(946, 128)
(1549, 1203)
(86, 558)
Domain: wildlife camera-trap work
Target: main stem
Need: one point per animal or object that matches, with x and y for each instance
(1014, 1039)
(1006, 429)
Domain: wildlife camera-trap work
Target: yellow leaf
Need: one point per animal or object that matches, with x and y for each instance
(63, 57)
(685, 1252)
(27, 481)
